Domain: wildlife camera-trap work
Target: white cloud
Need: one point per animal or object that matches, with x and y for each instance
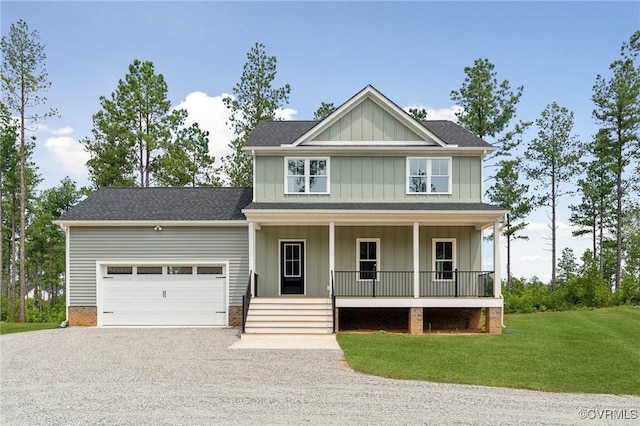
(211, 114)
(68, 153)
(285, 113)
(448, 113)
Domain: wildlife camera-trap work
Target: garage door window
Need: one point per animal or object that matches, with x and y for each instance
(149, 270)
(209, 270)
(119, 270)
(180, 270)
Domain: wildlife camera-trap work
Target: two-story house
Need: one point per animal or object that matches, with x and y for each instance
(366, 219)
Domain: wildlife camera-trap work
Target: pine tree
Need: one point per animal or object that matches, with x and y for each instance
(254, 101)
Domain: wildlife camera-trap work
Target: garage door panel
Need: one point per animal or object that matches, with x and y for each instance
(164, 300)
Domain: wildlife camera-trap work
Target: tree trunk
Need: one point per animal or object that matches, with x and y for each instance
(11, 290)
(619, 230)
(23, 202)
(2, 286)
(553, 228)
(508, 253)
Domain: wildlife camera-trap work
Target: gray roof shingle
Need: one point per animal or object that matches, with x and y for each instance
(187, 204)
(376, 206)
(276, 133)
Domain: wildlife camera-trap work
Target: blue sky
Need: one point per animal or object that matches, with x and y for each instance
(414, 52)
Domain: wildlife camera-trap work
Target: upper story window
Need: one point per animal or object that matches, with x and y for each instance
(306, 175)
(429, 175)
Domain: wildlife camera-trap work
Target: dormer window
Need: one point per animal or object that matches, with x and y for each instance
(429, 175)
(306, 175)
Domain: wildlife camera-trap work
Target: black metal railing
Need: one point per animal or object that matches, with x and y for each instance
(374, 283)
(246, 301)
(456, 283)
(400, 283)
(333, 302)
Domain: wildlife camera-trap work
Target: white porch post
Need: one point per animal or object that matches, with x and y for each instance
(497, 273)
(252, 253)
(416, 259)
(332, 252)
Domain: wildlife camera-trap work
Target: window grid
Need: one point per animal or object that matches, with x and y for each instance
(428, 175)
(306, 175)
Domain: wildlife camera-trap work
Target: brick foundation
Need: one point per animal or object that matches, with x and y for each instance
(235, 316)
(453, 319)
(83, 316)
(416, 320)
(493, 320)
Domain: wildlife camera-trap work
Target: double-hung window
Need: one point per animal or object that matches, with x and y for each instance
(306, 176)
(429, 175)
(444, 258)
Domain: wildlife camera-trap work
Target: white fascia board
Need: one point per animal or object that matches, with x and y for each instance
(182, 223)
(373, 150)
(422, 302)
(375, 96)
(479, 219)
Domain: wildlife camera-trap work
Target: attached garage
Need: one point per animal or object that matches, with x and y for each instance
(157, 257)
(168, 294)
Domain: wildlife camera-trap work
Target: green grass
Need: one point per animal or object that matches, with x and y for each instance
(16, 327)
(589, 351)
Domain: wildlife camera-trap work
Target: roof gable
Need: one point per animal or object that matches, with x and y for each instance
(368, 118)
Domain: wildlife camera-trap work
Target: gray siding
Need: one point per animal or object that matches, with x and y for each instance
(91, 244)
(316, 258)
(369, 178)
(368, 122)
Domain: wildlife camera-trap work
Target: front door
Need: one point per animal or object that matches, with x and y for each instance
(292, 267)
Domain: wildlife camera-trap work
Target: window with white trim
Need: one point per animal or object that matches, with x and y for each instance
(368, 257)
(444, 258)
(306, 175)
(429, 175)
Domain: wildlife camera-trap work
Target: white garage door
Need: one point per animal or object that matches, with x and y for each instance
(168, 295)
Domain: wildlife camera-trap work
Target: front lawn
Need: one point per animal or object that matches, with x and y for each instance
(591, 351)
(17, 327)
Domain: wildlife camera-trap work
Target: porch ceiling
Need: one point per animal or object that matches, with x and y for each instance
(479, 215)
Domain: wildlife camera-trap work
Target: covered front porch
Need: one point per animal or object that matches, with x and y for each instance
(361, 259)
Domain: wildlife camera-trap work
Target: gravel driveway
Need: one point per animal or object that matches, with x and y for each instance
(188, 376)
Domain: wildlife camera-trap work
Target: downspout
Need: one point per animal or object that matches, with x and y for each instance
(65, 323)
(504, 222)
(253, 184)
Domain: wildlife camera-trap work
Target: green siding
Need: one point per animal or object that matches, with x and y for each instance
(468, 246)
(368, 178)
(90, 244)
(316, 258)
(396, 246)
(368, 122)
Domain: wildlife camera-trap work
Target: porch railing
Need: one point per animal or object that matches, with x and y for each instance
(400, 283)
(456, 283)
(246, 297)
(374, 283)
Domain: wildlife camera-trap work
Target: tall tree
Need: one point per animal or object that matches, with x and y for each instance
(488, 106)
(24, 79)
(553, 160)
(187, 162)
(595, 212)
(617, 111)
(8, 138)
(254, 100)
(132, 130)
(324, 110)
(511, 195)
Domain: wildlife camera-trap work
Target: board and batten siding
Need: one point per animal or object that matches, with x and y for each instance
(369, 179)
(316, 258)
(468, 246)
(368, 122)
(90, 244)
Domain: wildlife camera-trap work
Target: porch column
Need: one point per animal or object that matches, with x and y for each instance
(416, 259)
(252, 253)
(332, 252)
(497, 274)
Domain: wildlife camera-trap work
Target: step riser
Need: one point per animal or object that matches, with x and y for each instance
(289, 316)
